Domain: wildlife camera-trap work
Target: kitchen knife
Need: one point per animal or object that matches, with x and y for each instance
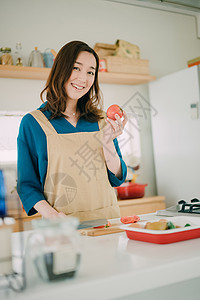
(92, 223)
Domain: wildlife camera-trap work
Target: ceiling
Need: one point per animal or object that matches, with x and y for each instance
(183, 4)
(187, 6)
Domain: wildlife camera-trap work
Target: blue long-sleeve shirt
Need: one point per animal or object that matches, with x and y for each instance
(33, 160)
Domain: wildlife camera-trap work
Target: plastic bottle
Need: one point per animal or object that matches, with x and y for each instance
(2, 195)
(48, 58)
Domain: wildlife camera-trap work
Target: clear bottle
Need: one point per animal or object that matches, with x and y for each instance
(18, 55)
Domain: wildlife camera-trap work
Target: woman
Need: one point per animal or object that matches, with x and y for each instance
(68, 154)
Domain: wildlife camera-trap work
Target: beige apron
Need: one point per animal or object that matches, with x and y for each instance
(76, 181)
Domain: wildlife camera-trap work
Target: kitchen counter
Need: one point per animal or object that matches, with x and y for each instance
(114, 267)
(127, 207)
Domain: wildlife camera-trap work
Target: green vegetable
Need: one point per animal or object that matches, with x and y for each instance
(186, 225)
(170, 225)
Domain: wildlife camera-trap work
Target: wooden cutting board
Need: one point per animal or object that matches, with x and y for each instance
(101, 231)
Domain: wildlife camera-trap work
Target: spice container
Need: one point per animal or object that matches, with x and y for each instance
(102, 65)
(5, 56)
(54, 249)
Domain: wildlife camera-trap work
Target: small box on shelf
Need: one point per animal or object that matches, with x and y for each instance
(193, 62)
(116, 64)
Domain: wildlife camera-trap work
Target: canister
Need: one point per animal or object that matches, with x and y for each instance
(5, 56)
(54, 248)
(36, 59)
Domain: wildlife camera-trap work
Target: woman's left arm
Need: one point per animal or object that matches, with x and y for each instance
(111, 131)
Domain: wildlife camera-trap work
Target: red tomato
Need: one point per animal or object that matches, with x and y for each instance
(130, 219)
(114, 109)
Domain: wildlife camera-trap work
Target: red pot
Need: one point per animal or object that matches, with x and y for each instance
(129, 190)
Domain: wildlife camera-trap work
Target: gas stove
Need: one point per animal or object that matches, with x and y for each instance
(183, 208)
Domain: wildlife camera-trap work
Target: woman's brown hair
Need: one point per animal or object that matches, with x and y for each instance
(90, 105)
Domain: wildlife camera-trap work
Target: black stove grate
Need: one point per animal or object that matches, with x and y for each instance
(192, 208)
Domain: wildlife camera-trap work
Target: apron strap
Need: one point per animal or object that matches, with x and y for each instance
(48, 127)
(43, 122)
(102, 122)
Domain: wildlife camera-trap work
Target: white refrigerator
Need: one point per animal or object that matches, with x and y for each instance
(176, 134)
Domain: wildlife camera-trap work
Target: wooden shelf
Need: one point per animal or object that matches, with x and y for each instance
(42, 74)
(24, 72)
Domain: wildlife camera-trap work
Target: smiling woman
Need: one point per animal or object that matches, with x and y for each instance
(70, 149)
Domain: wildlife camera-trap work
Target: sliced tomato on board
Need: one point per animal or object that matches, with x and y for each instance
(103, 226)
(130, 219)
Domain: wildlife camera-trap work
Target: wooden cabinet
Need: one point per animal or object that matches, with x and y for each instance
(42, 74)
(141, 206)
(127, 207)
(22, 221)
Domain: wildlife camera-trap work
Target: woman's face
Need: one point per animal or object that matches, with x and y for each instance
(82, 76)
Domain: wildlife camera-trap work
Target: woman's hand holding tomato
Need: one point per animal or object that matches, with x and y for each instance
(112, 130)
(115, 125)
(113, 110)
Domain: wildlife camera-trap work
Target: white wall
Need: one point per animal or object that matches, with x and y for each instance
(168, 40)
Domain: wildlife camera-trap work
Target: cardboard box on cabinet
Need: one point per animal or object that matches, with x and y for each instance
(115, 64)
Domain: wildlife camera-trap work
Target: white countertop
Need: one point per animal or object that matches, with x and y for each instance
(112, 267)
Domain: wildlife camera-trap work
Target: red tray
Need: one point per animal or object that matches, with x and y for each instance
(166, 236)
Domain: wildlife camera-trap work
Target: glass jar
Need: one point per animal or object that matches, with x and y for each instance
(54, 249)
(18, 54)
(6, 57)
